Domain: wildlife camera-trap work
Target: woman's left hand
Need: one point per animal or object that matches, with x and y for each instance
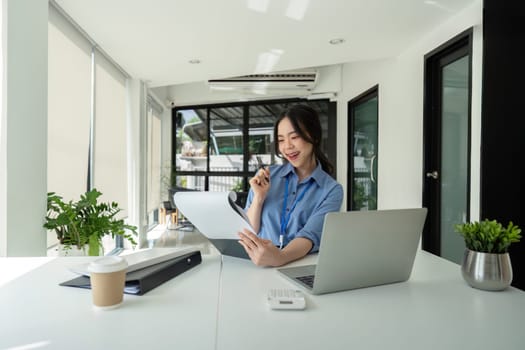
(261, 251)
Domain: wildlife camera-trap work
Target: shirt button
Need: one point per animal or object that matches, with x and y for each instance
(293, 192)
(287, 209)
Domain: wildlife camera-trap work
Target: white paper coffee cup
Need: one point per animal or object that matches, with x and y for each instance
(108, 276)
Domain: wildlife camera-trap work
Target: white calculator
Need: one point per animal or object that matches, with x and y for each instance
(286, 299)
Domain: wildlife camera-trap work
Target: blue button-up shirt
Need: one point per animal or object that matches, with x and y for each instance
(323, 196)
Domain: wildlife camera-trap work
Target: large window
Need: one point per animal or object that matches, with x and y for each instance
(110, 162)
(153, 160)
(86, 118)
(219, 147)
(69, 107)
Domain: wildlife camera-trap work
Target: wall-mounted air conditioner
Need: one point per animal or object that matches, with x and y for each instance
(297, 81)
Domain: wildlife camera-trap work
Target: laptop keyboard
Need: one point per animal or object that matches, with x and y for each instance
(308, 280)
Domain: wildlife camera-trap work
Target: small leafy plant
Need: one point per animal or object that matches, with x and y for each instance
(489, 236)
(85, 221)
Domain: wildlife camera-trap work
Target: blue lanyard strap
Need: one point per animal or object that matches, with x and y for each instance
(285, 217)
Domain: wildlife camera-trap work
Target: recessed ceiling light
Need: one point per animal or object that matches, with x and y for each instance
(194, 61)
(337, 41)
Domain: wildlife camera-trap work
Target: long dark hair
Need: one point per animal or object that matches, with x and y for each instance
(306, 123)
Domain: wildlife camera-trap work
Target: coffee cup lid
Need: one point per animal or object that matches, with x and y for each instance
(108, 264)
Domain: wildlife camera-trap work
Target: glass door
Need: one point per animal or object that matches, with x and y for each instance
(446, 142)
(454, 156)
(362, 151)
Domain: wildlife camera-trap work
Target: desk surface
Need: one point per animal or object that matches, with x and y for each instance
(435, 309)
(38, 313)
(221, 305)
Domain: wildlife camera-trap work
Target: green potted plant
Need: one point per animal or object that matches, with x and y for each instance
(85, 222)
(486, 262)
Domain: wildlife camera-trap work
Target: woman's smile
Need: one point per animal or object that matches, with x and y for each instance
(293, 156)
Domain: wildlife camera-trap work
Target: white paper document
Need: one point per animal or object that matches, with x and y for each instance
(215, 214)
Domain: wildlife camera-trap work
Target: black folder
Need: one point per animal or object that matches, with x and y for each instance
(143, 280)
(230, 247)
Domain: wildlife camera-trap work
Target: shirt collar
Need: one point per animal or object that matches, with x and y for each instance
(316, 174)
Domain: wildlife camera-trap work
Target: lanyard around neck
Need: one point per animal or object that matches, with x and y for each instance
(285, 217)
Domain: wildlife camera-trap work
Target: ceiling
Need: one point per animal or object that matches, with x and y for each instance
(154, 40)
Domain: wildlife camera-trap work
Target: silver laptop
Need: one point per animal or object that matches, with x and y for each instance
(362, 249)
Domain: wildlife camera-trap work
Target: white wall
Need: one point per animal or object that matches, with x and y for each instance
(401, 113)
(23, 131)
(358, 78)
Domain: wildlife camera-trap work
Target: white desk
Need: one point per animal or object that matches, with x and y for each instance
(435, 309)
(38, 313)
(210, 308)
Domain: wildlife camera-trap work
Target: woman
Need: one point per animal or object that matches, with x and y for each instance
(287, 203)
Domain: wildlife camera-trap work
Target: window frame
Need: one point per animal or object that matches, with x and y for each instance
(245, 173)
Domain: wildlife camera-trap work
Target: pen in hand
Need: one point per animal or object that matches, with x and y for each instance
(263, 168)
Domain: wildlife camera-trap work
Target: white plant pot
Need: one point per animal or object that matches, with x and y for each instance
(72, 250)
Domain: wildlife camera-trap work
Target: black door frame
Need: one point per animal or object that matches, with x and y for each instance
(457, 47)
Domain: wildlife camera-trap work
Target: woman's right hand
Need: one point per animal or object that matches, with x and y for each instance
(260, 183)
